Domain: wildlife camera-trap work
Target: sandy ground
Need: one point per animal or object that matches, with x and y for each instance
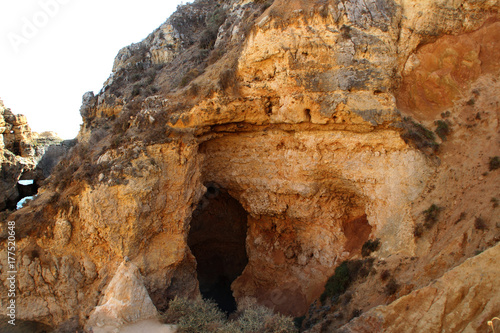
(150, 326)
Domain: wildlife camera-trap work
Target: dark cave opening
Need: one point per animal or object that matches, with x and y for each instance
(217, 240)
(27, 189)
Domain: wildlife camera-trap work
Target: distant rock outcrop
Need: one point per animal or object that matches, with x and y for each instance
(24, 155)
(327, 159)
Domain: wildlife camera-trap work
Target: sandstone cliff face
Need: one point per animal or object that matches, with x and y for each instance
(462, 300)
(292, 127)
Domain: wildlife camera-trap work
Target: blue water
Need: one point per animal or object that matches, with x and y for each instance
(23, 200)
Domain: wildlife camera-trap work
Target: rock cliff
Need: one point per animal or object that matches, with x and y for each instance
(245, 149)
(20, 154)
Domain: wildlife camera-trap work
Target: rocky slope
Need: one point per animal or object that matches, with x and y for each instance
(462, 300)
(248, 148)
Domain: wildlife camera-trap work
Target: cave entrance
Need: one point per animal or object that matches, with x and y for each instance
(27, 190)
(217, 240)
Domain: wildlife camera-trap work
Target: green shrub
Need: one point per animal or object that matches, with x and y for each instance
(370, 246)
(337, 283)
(494, 163)
(431, 216)
(443, 129)
(417, 135)
(345, 274)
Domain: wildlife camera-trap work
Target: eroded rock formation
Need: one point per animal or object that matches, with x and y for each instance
(288, 138)
(125, 300)
(462, 300)
(20, 154)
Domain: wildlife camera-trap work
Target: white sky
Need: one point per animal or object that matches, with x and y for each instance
(45, 71)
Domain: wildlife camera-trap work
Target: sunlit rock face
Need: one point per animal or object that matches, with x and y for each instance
(125, 301)
(463, 299)
(275, 157)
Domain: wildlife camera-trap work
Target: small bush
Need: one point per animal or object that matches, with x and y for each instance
(418, 231)
(480, 224)
(360, 268)
(337, 283)
(443, 129)
(494, 201)
(419, 136)
(370, 246)
(446, 114)
(195, 316)
(391, 288)
(256, 318)
(471, 102)
(385, 275)
(494, 163)
(431, 216)
(345, 274)
(213, 23)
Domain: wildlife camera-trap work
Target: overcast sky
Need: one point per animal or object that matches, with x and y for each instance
(53, 51)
